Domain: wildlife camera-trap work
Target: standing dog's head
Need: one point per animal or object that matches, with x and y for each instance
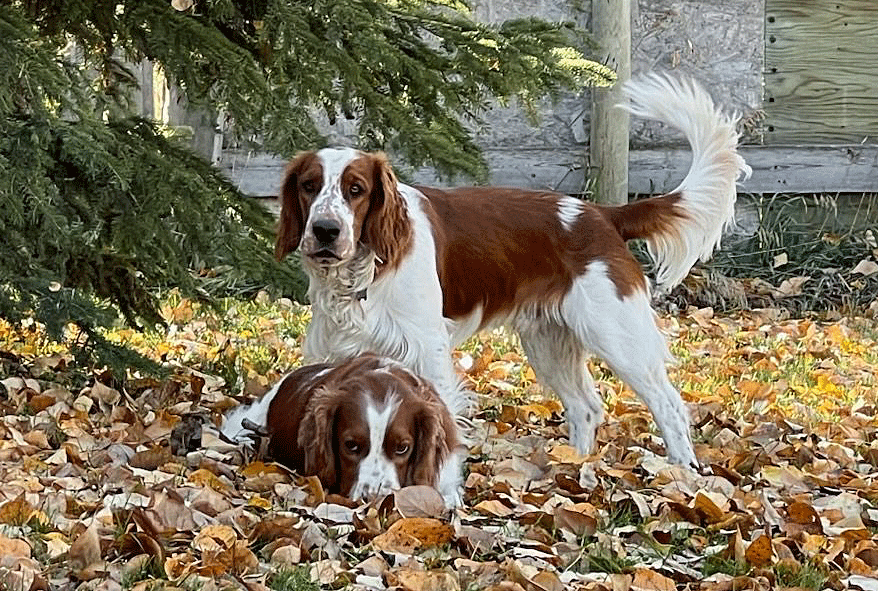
(336, 200)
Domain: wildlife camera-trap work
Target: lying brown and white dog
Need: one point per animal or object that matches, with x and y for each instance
(410, 272)
(365, 427)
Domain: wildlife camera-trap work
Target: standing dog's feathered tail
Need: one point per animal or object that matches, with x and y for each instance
(687, 224)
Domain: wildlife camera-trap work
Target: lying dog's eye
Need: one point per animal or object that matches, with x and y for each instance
(352, 446)
(402, 449)
(356, 189)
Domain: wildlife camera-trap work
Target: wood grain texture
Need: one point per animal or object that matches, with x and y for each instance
(821, 71)
(776, 169)
(720, 43)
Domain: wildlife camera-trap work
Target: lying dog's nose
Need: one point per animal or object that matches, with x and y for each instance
(325, 231)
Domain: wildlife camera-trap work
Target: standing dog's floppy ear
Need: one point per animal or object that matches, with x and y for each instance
(387, 229)
(316, 434)
(293, 212)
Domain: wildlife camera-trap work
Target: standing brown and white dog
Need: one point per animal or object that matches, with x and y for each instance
(410, 272)
(365, 427)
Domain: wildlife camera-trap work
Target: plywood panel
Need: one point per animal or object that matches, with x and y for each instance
(821, 71)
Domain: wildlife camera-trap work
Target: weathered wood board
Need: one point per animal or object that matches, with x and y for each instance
(821, 71)
(781, 169)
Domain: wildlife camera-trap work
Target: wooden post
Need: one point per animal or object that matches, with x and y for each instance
(147, 103)
(608, 147)
(199, 119)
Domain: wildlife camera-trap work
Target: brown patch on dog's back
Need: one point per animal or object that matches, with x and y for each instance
(502, 248)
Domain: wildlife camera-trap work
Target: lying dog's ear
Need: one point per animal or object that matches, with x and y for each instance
(387, 229)
(294, 209)
(432, 424)
(316, 434)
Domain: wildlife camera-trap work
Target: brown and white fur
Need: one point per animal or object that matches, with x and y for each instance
(365, 427)
(410, 272)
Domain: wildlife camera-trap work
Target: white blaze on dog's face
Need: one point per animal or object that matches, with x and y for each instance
(386, 436)
(377, 473)
(335, 190)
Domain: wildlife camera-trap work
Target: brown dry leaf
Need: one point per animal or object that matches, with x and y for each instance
(754, 390)
(493, 507)
(150, 459)
(791, 287)
(85, 553)
(803, 513)
(649, 580)
(214, 538)
(109, 396)
(759, 553)
(417, 580)
(17, 511)
(179, 566)
(533, 578)
(576, 518)
(41, 402)
(706, 505)
(866, 268)
(419, 501)
(286, 555)
(566, 454)
(481, 363)
(411, 533)
(18, 572)
(316, 494)
(548, 581)
(538, 411)
(273, 528)
(14, 547)
(169, 513)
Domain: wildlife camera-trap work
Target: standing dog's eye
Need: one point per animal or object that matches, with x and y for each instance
(308, 186)
(352, 446)
(402, 448)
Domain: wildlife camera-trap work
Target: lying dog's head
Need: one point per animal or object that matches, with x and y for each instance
(337, 199)
(365, 427)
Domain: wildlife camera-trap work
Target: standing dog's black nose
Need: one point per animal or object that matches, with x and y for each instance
(325, 231)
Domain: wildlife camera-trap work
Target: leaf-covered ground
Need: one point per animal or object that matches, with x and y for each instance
(109, 487)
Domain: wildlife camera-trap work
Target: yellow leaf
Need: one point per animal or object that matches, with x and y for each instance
(204, 477)
(259, 502)
(254, 469)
